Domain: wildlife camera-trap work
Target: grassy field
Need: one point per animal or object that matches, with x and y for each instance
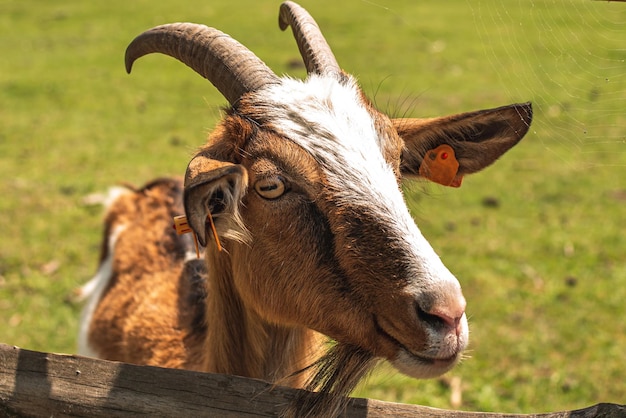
(538, 241)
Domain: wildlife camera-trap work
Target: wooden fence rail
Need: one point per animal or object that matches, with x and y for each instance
(34, 384)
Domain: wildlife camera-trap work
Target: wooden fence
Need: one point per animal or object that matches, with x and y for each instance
(34, 384)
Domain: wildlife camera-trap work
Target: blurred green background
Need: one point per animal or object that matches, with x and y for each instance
(538, 240)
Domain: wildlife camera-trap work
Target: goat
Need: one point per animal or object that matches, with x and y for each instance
(301, 180)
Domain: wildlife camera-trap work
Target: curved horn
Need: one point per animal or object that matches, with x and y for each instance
(231, 67)
(317, 56)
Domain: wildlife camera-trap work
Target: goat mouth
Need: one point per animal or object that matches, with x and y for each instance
(429, 361)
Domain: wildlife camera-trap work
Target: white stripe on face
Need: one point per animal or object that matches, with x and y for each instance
(330, 121)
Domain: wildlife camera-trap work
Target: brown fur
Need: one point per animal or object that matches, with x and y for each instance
(145, 315)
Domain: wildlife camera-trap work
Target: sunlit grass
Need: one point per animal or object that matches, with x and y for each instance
(537, 240)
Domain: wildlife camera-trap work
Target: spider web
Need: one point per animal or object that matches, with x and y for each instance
(570, 56)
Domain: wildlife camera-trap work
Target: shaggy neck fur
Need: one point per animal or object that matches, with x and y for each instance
(240, 342)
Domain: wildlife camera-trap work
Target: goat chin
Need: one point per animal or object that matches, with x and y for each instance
(421, 368)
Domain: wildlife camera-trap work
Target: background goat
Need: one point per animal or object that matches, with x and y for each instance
(302, 181)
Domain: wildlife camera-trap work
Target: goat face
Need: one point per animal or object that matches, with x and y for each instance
(303, 181)
(332, 244)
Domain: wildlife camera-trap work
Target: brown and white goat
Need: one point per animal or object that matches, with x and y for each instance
(302, 180)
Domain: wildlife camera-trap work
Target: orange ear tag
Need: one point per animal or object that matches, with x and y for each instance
(182, 227)
(440, 166)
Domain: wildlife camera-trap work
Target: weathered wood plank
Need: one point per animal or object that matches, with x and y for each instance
(43, 384)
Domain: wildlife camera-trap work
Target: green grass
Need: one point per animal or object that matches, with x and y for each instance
(538, 241)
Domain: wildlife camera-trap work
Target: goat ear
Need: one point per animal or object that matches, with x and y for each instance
(213, 188)
(478, 138)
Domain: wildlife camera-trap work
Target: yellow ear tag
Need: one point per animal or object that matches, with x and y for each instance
(182, 227)
(441, 166)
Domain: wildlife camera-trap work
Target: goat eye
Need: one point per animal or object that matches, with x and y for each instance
(271, 187)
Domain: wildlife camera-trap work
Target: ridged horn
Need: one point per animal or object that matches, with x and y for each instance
(317, 55)
(231, 67)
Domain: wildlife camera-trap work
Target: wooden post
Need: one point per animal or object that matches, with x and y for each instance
(44, 384)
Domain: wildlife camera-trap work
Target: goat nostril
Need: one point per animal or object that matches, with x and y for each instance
(434, 320)
(438, 319)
